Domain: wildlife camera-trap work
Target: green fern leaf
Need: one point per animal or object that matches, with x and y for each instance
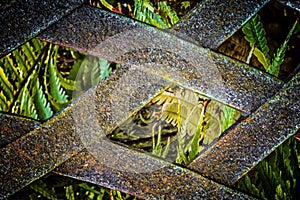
(68, 84)
(20, 60)
(15, 74)
(104, 68)
(70, 193)
(6, 85)
(24, 104)
(280, 54)
(198, 136)
(4, 104)
(164, 97)
(255, 34)
(42, 105)
(30, 51)
(145, 11)
(88, 188)
(75, 68)
(169, 12)
(262, 58)
(40, 187)
(17, 65)
(56, 90)
(37, 44)
(187, 100)
(228, 117)
(57, 105)
(170, 113)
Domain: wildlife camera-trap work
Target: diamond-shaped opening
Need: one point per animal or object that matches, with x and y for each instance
(39, 79)
(159, 13)
(54, 186)
(277, 176)
(272, 24)
(176, 125)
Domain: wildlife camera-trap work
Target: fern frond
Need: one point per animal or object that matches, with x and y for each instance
(21, 61)
(255, 34)
(163, 7)
(228, 117)
(56, 90)
(164, 97)
(198, 136)
(262, 58)
(70, 193)
(43, 108)
(105, 68)
(187, 100)
(247, 185)
(40, 187)
(145, 11)
(187, 97)
(15, 74)
(88, 188)
(276, 177)
(280, 54)
(156, 150)
(57, 105)
(167, 148)
(4, 104)
(74, 71)
(6, 85)
(170, 114)
(37, 44)
(29, 53)
(24, 103)
(67, 84)
(107, 5)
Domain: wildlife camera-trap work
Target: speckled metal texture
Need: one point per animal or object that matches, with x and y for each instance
(86, 27)
(13, 127)
(293, 4)
(166, 181)
(22, 20)
(37, 153)
(254, 138)
(78, 126)
(213, 21)
(123, 41)
(151, 59)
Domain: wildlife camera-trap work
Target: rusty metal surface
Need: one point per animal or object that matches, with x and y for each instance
(152, 59)
(13, 127)
(125, 41)
(254, 138)
(37, 153)
(152, 178)
(78, 126)
(21, 20)
(213, 21)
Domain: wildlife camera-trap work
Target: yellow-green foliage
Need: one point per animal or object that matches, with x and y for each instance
(255, 34)
(276, 177)
(36, 82)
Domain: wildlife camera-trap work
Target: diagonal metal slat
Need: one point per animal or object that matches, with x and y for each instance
(51, 144)
(213, 21)
(254, 138)
(125, 41)
(153, 59)
(22, 20)
(144, 176)
(13, 127)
